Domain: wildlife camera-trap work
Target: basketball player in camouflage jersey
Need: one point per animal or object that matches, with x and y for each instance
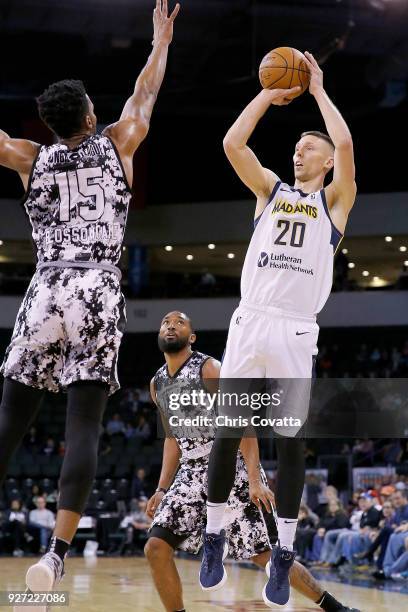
(70, 324)
(285, 282)
(178, 507)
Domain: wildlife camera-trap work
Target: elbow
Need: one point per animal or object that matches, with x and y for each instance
(229, 145)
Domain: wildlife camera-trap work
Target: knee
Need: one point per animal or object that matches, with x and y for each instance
(156, 550)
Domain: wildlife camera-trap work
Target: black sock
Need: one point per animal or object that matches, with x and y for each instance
(329, 603)
(59, 547)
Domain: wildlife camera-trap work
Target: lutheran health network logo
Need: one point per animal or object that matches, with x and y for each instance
(263, 260)
(281, 262)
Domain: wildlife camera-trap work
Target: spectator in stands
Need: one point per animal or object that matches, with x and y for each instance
(207, 283)
(332, 522)
(328, 494)
(396, 556)
(392, 452)
(142, 429)
(130, 401)
(144, 394)
(32, 440)
(15, 524)
(306, 529)
(353, 541)
(135, 526)
(43, 521)
(115, 426)
(49, 448)
(31, 501)
(61, 448)
(385, 522)
(392, 537)
(130, 431)
(399, 569)
(139, 487)
(386, 493)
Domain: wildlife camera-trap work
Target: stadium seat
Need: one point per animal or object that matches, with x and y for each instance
(107, 485)
(110, 498)
(13, 494)
(47, 485)
(123, 488)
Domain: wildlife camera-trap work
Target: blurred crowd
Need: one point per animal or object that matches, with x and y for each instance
(368, 532)
(343, 361)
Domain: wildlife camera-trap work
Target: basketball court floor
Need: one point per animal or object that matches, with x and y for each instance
(124, 585)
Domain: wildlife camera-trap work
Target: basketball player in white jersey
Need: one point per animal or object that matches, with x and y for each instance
(70, 324)
(286, 280)
(178, 505)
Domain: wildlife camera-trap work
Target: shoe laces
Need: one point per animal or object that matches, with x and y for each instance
(282, 562)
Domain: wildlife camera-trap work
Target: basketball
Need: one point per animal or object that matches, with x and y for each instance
(283, 68)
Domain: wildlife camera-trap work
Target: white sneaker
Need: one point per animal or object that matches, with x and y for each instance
(43, 576)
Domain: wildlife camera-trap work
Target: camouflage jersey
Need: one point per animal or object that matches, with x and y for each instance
(77, 201)
(195, 441)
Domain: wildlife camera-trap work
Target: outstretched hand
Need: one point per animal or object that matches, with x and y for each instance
(316, 74)
(162, 23)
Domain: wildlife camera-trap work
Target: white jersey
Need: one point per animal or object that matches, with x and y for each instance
(289, 262)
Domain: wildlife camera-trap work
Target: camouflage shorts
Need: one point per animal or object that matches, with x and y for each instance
(183, 511)
(69, 328)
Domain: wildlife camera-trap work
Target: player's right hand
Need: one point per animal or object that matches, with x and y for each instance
(261, 494)
(163, 23)
(153, 502)
(280, 97)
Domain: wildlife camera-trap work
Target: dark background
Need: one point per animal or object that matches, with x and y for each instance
(212, 74)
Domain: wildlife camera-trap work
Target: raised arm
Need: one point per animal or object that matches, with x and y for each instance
(258, 179)
(18, 154)
(341, 192)
(133, 124)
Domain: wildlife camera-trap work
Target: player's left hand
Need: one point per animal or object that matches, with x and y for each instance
(260, 494)
(162, 23)
(316, 74)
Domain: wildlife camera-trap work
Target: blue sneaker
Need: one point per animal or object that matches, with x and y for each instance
(212, 572)
(277, 589)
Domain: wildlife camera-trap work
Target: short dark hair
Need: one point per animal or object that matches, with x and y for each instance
(318, 134)
(63, 106)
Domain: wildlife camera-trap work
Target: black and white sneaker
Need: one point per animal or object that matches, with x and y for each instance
(43, 576)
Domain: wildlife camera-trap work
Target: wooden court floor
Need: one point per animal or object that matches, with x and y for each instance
(124, 585)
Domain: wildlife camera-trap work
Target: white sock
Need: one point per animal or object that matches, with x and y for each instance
(286, 532)
(215, 517)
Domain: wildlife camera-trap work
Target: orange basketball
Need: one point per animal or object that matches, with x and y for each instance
(283, 68)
